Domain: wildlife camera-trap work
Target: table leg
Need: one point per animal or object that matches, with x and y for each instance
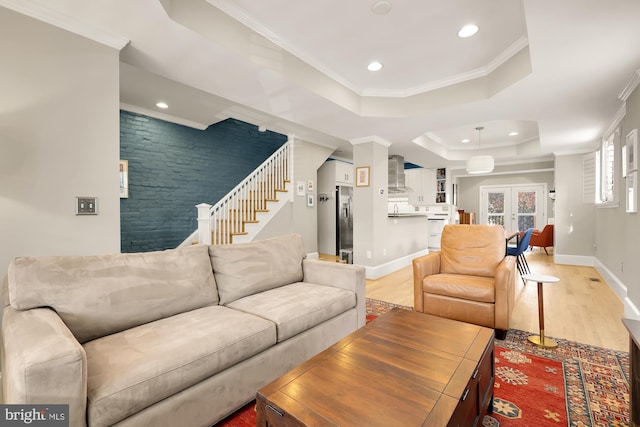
(541, 340)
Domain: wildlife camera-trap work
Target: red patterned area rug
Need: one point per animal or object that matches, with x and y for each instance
(593, 381)
(576, 385)
(529, 391)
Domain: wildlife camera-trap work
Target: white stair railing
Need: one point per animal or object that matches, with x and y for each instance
(242, 204)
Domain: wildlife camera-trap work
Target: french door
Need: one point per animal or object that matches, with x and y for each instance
(515, 207)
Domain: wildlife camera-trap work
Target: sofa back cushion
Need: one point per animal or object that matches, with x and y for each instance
(100, 295)
(244, 269)
(472, 249)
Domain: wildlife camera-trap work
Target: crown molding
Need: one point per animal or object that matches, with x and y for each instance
(40, 12)
(163, 116)
(617, 119)
(503, 57)
(432, 136)
(372, 138)
(235, 12)
(631, 86)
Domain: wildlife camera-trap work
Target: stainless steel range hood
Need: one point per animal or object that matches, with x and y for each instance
(396, 174)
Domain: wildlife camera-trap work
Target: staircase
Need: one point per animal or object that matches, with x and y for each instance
(248, 207)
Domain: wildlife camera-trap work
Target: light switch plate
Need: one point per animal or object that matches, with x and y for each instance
(86, 205)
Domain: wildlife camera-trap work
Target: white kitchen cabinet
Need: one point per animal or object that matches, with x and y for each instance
(422, 184)
(336, 172)
(436, 225)
(344, 172)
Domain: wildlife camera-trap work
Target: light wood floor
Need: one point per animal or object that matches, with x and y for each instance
(576, 308)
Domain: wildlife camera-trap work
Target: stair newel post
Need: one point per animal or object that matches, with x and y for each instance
(289, 160)
(204, 223)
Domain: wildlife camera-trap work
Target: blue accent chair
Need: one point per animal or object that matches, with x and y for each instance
(518, 252)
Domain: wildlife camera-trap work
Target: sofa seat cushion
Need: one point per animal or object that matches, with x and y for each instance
(133, 369)
(474, 288)
(297, 307)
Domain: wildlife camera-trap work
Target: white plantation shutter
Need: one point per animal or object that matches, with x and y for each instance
(589, 178)
(607, 165)
(602, 176)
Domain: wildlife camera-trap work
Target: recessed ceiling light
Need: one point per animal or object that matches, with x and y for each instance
(466, 140)
(513, 133)
(162, 105)
(374, 66)
(381, 7)
(468, 31)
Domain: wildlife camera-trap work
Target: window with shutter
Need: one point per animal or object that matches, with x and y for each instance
(606, 179)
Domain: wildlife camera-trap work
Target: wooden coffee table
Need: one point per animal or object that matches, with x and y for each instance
(403, 369)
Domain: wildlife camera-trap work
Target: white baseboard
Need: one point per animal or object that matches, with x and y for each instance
(614, 283)
(391, 266)
(631, 311)
(587, 261)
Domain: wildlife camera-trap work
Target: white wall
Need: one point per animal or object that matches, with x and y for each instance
(574, 221)
(297, 217)
(370, 204)
(617, 233)
(59, 138)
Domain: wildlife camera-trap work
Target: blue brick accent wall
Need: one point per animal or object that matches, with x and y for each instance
(172, 168)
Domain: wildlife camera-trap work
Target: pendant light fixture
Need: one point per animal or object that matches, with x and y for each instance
(479, 164)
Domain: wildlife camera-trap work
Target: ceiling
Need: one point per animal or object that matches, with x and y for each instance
(550, 70)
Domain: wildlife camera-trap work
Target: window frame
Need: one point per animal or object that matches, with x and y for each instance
(607, 171)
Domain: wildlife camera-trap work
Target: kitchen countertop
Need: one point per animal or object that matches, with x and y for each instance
(406, 214)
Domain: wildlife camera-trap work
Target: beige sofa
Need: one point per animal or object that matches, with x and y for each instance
(177, 337)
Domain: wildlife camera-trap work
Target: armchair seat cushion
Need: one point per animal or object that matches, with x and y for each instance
(136, 368)
(461, 286)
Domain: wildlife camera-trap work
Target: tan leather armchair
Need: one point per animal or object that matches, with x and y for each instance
(470, 279)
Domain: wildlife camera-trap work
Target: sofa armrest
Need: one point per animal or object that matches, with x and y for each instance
(344, 276)
(43, 363)
(505, 279)
(423, 266)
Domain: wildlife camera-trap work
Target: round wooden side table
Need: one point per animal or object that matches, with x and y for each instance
(541, 340)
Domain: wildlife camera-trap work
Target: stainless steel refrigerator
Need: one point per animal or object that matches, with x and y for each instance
(344, 223)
